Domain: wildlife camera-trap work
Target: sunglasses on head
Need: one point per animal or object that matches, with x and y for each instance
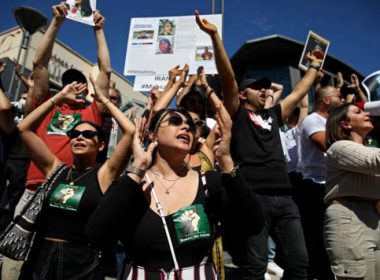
(177, 120)
(88, 134)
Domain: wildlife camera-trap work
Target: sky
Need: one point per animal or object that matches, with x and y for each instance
(352, 26)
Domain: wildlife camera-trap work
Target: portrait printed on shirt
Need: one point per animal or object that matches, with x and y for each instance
(67, 197)
(191, 223)
(61, 123)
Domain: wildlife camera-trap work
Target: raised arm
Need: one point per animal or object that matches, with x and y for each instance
(223, 64)
(113, 167)
(302, 87)
(355, 86)
(304, 109)
(44, 51)
(19, 74)
(166, 97)
(274, 94)
(104, 61)
(39, 152)
(173, 73)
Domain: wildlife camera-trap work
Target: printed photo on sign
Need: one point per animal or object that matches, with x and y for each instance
(315, 45)
(166, 27)
(372, 86)
(82, 11)
(165, 45)
(143, 34)
(204, 53)
(175, 40)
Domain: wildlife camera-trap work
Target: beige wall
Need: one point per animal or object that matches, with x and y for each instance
(63, 58)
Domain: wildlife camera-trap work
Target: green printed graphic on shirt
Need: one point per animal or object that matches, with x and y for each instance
(191, 223)
(61, 123)
(66, 197)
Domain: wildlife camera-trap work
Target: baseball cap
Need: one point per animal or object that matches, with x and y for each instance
(72, 75)
(255, 83)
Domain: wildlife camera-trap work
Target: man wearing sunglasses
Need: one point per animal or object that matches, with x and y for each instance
(256, 148)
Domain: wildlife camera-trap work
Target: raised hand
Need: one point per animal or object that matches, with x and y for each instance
(339, 80)
(174, 72)
(70, 92)
(201, 78)
(98, 20)
(222, 145)
(60, 11)
(141, 158)
(205, 25)
(98, 92)
(355, 85)
(183, 76)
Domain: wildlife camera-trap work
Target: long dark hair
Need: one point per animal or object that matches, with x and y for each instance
(334, 130)
(85, 8)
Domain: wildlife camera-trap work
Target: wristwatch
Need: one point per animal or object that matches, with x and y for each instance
(231, 172)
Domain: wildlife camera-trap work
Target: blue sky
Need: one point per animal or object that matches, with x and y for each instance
(352, 26)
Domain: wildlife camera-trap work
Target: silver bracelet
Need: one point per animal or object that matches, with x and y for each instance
(135, 170)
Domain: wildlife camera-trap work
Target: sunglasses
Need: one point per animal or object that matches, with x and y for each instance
(113, 98)
(177, 120)
(88, 134)
(200, 123)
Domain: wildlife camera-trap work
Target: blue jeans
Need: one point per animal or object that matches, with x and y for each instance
(282, 217)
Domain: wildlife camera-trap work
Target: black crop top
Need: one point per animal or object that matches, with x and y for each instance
(124, 214)
(67, 208)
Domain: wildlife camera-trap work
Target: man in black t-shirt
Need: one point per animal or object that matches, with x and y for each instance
(257, 149)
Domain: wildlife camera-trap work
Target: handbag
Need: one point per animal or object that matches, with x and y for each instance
(17, 239)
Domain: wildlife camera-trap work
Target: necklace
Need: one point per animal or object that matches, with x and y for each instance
(72, 181)
(173, 181)
(160, 176)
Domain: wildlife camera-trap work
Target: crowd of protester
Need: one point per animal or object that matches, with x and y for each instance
(166, 195)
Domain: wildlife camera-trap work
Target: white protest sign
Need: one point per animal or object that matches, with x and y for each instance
(145, 83)
(156, 45)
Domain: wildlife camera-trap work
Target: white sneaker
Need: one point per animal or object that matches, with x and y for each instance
(274, 269)
(267, 276)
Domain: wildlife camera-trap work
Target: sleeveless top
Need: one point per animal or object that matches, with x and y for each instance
(67, 207)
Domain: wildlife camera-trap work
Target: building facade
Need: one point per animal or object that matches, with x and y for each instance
(63, 58)
(277, 58)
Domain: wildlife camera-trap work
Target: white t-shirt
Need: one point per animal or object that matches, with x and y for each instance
(312, 160)
(292, 140)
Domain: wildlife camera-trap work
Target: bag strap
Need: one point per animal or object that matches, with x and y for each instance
(204, 183)
(46, 186)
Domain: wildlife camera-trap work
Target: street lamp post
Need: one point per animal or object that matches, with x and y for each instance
(29, 20)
